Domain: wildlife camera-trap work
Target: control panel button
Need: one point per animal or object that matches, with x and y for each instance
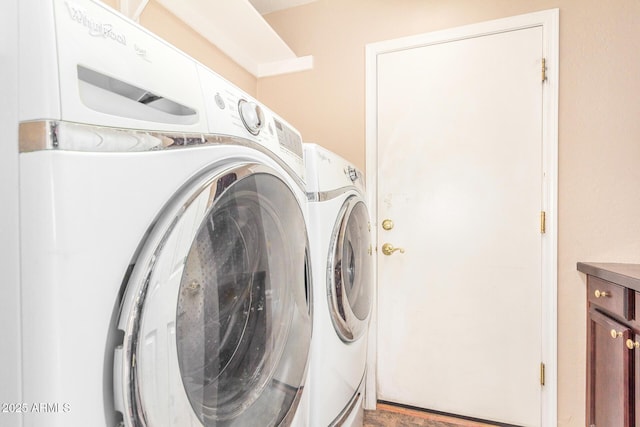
(219, 101)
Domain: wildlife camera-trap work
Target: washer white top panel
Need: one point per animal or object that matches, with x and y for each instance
(89, 64)
(110, 71)
(327, 171)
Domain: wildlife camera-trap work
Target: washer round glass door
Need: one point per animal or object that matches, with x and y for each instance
(349, 278)
(221, 328)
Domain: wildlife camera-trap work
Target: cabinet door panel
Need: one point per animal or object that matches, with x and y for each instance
(636, 310)
(611, 297)
(610, 371)
(636, 370)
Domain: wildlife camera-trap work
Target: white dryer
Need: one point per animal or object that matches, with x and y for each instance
(163, 222)
(343, 289)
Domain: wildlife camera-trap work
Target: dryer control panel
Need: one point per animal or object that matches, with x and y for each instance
(233, 112)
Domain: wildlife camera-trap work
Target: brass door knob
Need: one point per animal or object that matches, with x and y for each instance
(601, 294)
(615, 334)
(387, 224)
(388, 249)
(631, 344)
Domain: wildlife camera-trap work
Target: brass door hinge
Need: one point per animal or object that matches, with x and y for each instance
(543, 222)
(541, 373)
(544, 70)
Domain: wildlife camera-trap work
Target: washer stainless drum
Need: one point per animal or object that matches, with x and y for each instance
(342, 267)
(165, 264)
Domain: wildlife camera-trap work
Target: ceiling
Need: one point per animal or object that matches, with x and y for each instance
(268, 6)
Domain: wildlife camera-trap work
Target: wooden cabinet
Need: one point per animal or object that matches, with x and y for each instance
(613, 344)
(608, 370)
(635, 344)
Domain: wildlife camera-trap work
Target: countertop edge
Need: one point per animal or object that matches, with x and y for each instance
(627, 275)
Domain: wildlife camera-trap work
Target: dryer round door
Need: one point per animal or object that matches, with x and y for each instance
(216, 311)
(350, 271)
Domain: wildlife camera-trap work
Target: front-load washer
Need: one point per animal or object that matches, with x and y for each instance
(343, 291)
(164, 258)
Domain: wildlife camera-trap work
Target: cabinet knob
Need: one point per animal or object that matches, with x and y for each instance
(615, 334)
(631, 344)
(601, 294)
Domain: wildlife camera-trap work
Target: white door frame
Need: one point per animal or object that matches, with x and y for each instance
(549, 21)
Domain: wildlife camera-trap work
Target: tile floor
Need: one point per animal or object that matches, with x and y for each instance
(394, 416)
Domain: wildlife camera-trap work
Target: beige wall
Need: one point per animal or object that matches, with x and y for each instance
(160, 21)
(599, 135)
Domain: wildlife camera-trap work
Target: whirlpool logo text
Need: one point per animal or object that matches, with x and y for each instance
(96, 28)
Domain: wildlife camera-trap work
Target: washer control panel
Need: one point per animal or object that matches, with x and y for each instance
(288, 138)
(231, 111)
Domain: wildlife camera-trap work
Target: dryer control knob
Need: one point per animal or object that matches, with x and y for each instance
(352, 173)
(251, 115)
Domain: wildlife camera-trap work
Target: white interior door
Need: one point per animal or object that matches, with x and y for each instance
(460, 174)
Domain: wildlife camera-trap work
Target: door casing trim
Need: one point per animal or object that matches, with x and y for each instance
(549, 21)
